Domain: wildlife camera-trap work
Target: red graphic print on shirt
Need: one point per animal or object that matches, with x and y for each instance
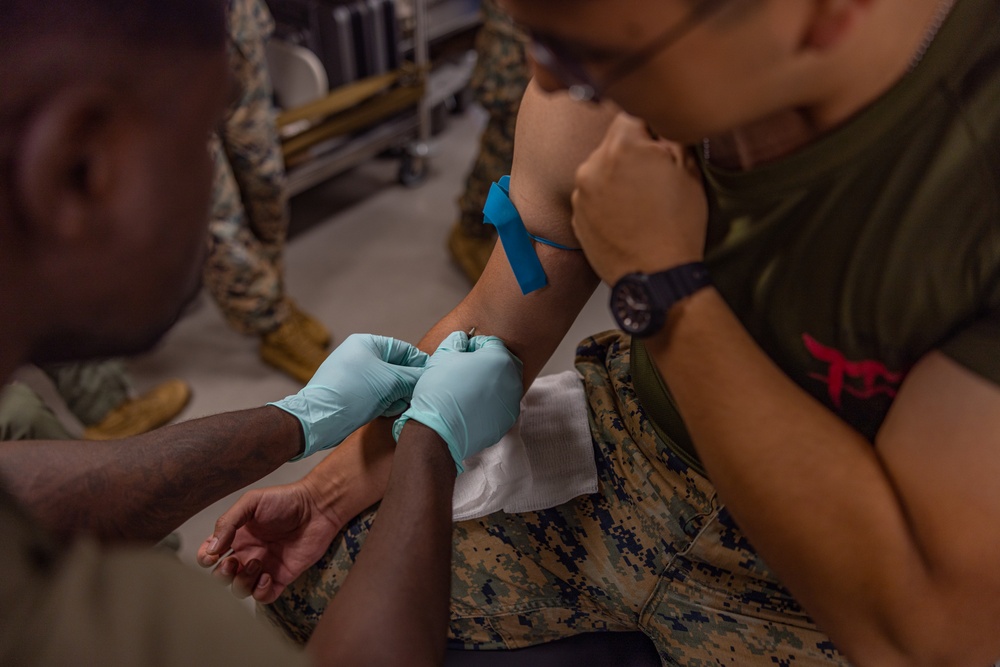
(863, 379)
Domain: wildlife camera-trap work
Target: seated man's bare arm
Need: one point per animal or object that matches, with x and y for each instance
(554, 136)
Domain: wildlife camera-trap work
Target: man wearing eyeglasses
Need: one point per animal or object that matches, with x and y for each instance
(798, 441)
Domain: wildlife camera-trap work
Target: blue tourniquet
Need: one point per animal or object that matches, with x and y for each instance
(501, 213)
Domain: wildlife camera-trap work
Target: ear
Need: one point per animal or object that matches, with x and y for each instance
(66, 159)
(832, 21)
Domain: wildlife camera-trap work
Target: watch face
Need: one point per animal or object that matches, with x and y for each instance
(632, 305)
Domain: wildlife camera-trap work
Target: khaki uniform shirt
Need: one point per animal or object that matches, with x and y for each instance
(106, 607)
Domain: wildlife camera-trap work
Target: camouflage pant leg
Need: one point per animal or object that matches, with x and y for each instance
(498, 81)
(91, 389)
(249, 134)
(24, 416)
(651, 550)
(522, 579)
(716, 602)
(239, 273)
(249, 219)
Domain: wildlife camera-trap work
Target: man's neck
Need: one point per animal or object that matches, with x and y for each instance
(15, 334)
(880, 52)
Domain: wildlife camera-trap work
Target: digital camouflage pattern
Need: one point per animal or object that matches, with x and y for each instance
(652, 550)
(91, 389)
(498, 82)
(249, 219)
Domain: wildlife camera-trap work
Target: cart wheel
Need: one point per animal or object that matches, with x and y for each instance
(412, 171)
(462, 100)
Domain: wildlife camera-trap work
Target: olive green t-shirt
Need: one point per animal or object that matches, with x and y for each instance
(854, 257)
(91, 605)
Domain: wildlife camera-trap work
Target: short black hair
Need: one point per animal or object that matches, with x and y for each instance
(156, 23)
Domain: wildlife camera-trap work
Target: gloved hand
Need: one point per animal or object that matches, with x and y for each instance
(470, 393)
(366, 377)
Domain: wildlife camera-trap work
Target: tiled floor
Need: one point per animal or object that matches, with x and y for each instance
(367, 255)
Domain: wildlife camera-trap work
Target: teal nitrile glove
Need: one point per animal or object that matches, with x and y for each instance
(470, 393)
(366, 377)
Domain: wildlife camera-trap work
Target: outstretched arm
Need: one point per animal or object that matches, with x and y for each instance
(891, 548)
(554, 136)
(143, 487)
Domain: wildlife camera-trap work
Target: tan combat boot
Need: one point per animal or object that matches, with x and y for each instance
(153, 409)
(289, 349)
(311, 327)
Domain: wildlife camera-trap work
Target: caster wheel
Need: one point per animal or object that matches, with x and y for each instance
(412, 171)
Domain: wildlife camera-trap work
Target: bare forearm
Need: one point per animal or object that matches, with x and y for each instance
(810, 492)
(354, 476)
(393, 608)
(141, 488)
(553, 138)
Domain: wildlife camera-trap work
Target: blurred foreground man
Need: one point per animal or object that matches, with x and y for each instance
(798, 447)
(106, 111)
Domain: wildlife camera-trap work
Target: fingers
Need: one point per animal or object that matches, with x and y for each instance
(492, 342)
(629, 129)
(226, 570)
(401, 353)
(396, 408)
(221, 540)
(250, 580)
(247, 579)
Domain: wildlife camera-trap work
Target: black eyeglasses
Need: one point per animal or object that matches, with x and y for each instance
(553, 56)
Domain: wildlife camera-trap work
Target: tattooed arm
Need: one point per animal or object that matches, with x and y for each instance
(141, 488)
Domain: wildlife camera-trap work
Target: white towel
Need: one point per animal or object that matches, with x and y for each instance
(547, 458)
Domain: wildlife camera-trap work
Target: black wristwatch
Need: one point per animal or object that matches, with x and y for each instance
(640, 301)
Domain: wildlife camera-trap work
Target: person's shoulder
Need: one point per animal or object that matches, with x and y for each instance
(554, 135)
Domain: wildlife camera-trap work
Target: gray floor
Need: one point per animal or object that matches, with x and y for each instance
(366, 255)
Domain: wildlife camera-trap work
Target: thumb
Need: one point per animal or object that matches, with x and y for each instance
(401, 388)
(627, 125)
(455, 342)
(401, 353)
(494, 343)
(483, 342)
(226, 526)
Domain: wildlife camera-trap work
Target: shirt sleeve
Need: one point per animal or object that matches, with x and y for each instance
(96, 606)
(977, 347)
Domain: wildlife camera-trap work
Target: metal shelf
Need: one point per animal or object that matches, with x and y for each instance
(445, 19)
(350, 152)
(360, 120)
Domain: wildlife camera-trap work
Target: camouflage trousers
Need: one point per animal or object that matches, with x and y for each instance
(652, 550)
(249, 218)
(498, 82)
(91, 389)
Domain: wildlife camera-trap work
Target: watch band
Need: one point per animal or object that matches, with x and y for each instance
(678, 283)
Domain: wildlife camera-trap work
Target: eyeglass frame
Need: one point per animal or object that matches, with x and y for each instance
(581, 86)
